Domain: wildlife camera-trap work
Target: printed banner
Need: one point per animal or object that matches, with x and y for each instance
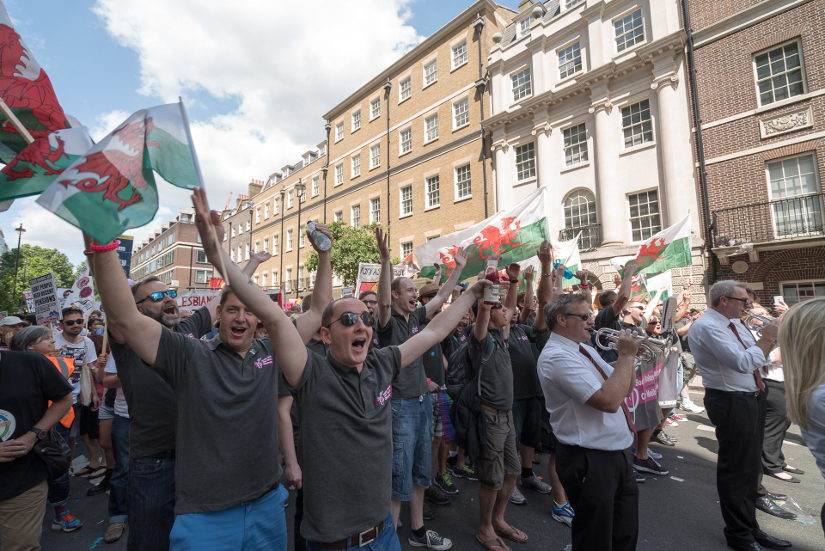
(82, 293)
(44, 295)
(29, 301)
(368, 275)
(643, 403)
(192, 300)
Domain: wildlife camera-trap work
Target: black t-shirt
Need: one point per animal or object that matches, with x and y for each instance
(496, 374)
(27, 382)
(151, 401)
(683, 340)
(434, 362)
(523, 339)
(411, 382)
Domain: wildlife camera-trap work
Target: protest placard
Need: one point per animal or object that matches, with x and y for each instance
(44, 295)
(368, 275)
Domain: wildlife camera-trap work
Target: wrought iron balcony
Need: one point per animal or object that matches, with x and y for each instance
(790, 218)
(590, 239)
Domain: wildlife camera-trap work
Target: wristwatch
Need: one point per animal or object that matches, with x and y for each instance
(39, 433)
(514, 280)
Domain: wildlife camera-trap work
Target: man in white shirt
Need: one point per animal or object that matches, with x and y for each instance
(585, 399)
(729, 360)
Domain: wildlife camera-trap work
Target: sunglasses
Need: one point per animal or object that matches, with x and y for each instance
(583, 317)
(348, 319)
(498, 306)
(742, 300)
(158, 296)
(69, 323)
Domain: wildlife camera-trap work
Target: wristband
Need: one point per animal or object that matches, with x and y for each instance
(583, 286)
(105, 248)
(428, 380)
(89, 253)
(547, 275)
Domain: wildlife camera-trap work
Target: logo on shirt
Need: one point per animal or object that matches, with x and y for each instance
(414, 330)
(7, 425)
(386, 395)
(524, 338)
(263, 361)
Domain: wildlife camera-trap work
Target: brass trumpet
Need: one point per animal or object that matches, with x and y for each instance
(755, 322)
(647, 350)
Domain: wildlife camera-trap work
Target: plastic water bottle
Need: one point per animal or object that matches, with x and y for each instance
(320, 238)
(567, 273)
(491, 293)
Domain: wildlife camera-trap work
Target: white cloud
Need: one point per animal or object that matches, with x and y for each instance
(106, 122)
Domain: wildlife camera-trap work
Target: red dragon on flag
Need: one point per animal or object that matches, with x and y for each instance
(494, 241)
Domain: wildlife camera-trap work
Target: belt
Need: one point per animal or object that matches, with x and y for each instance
(168, 454)
(359, 540)
(494, 409)
(734, 392)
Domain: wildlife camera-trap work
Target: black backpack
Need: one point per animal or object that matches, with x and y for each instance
(458, 367)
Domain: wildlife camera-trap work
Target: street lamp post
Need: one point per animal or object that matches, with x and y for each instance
(281, 244)
(249, 205)
(22, 299)
(20, 231)
(300, 187)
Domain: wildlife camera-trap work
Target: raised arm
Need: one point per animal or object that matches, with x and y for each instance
(524, 315)
(624, 290)
(545, 293)
(384, 280)
(442, 325)
(511, 300)
(435, 304)
(310, 322)
(685, 295)
(292, 354)
(584, 288)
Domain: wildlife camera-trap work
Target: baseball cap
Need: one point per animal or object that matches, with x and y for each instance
(10, 320)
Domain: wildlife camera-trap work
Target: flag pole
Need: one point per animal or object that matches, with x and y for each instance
(15, 122)
(201, 184)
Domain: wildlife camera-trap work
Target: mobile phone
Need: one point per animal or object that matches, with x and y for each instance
(777, 300)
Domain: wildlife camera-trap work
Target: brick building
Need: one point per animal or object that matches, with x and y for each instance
(174, 254)
(237, 225)
(761, 98)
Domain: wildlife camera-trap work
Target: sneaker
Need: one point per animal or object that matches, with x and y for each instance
(677, 417)
(535, 483)
(663, 438)
(98, 489)
(648, 465)
(464, 472)
(671, 438)
(516, 498)
(431, 539)
(114, 531)
(66, 522)
(690, 407)
(563, 514)
(428, 513)
(639, 477)
(671, 423)
(445, 482)
(436, 495)
(652, 454)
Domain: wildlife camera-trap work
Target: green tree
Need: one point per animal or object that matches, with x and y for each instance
(40, 262)
(350, 246)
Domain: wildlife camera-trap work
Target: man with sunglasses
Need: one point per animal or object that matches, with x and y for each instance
(613, 307)
(398, 321)
(729, 359)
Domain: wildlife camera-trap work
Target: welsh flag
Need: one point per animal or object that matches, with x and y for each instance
(661, 281)
(670, 248)
(567, 253)
(111, 188)
(638, 289)
(515, 235)
(27, 90)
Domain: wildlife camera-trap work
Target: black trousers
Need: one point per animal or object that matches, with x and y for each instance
(776, 425)
(740, 430)
(603, 491)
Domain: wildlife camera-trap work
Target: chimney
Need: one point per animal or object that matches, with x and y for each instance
(255, 187)
(524, 5)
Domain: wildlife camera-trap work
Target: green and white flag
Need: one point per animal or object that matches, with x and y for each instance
(111, 188)
(661, 281)
(670, 248)
(514, 235)
(567, 253)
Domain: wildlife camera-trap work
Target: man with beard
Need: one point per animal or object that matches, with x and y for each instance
(147, 436)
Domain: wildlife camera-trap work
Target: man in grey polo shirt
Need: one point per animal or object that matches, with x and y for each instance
(227, 471)
(398, 321)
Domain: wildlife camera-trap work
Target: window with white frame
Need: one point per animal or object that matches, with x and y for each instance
(202, 276)
(316, 186)
(431, 72)
(263, 279)
(240, 231)
(570, 60)
(433, 195)
(276, 207)
(461, 113)
(201, 258)
(255, 279)
(257, 215)
(525, 161)
(339, 131)
(796, 205)
(266, 244)
(290, 198)
(355, 216)
(312, 276)
(572, 3)
(257, 246)
(356, 166)
(224, 238)
(524, 26)
(799, 291)
(644, 214)
(339, 174)
(406, 249)
(575, 145)
(276, 242)
(248, 225)
(779, 73)
(406, 200)
(460, 54)
(463, 185)
(233, 234)
(375, 108)
(521, 84)
(288, 282)
(356, 121)
(375, 156)
(375, 210)
(246, 256)
(630, 30)
(288, 240)
(580, 209)
(406, 140)
(301, 239)
(300, 277)
(432, 127)
(275, 277)
(339, 216)
(405, 89)
(636, 124)
(240, 253)
(266, 210)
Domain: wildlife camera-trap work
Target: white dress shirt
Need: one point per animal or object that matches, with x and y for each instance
(773, 371)
(814, 435)
(722, 360)
(568, 379)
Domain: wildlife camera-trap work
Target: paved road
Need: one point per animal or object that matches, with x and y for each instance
(681, 516)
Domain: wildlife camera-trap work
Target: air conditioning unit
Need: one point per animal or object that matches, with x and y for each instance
(175, 283)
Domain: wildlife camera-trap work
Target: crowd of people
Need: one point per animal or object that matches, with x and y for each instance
(192, 421)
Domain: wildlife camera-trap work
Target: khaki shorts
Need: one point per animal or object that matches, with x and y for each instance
(21, 519)
(501, 457)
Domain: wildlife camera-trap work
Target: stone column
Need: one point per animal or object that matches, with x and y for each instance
(610, 200)
(503, 176)
(544, 157)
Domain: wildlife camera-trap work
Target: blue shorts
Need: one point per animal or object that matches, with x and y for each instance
(412, 443)
(257, 525)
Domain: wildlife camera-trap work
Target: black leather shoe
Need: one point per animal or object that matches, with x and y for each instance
(768, 542)
(747, 547)
(767, 506)
(777, 497)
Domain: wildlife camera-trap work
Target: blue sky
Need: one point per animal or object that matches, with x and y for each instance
(256, 80)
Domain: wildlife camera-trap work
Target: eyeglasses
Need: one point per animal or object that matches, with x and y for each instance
(742, 300)
(654, 321)
(69, 323)
(348, 319)
(158, 296)
(636, 307)
(583, 317)
(498, 306)
(370, 302)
